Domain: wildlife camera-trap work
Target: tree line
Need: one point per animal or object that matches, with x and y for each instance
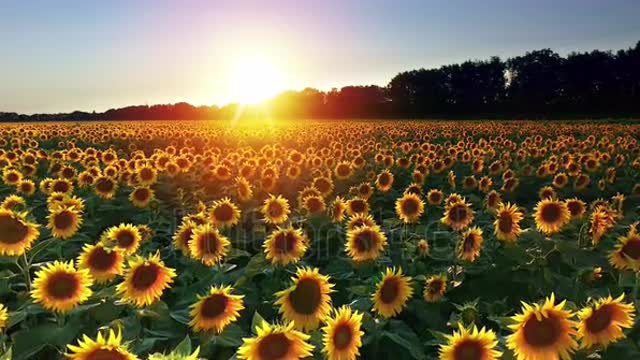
(539, 84)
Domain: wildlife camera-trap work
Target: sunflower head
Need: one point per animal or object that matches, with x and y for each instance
(64, 221)
(409, 208)
(274, 342)
(458, 215)
(107, 346)
(507, 223)
(124, 236)
(145, 280)
(208, 245)
(60, 287)
(602, 322)
(215, 310)
(470, 244)
(435, 288)
(551, 216)
(392, 293)
(141, 196)
(543, 332)
(626, 254)
(365, 243)
(284, 246)
(342, 337)
(104, 264)
(307, 302)
(16, 234)
(275, 209)
(470, 344)
(224, 213)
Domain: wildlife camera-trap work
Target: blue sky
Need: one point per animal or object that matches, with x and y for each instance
(65, 55)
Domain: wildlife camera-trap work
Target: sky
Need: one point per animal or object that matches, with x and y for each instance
(65, 55)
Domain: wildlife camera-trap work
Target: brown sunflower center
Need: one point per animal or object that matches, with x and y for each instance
(106, 354)
(505, 224)
(550, 213)
(469, 242)
(146, 174)
(343, 170)
(574, 208)
(314, 204)
(600, 319)
(102, 260)
(410, 207)
(365, 240)
(185, 236)
(458, 213)
(357, 206)
(384, 179)
(64, 220)
(275, 209)
(632, 248)
(389, 290)
(223, 212)
(145, 276)
(209, 243)
(62, 285)
(274, 347)
(468, 350)
(322, 185)
(214, 306)
(12, 231)
(104, 185)
(435, 286)
(141, 194)
(125, 238)
(284, 242)
(542, 333)
(342, 336)
(306, 297)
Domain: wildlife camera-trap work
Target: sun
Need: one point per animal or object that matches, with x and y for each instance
(254, 80)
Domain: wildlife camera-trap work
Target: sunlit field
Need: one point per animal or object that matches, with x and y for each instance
(337, 239)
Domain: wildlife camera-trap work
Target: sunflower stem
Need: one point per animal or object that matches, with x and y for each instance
(25, 271)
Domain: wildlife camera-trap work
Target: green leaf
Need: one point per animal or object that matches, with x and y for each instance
(184, 348)
(256, 321)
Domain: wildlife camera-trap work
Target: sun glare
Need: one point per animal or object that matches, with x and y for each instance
(254, 80)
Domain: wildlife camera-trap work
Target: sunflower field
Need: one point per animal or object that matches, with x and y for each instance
(324, 240)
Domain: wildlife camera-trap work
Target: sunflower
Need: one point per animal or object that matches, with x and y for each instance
(359, 220)
(105, 187)
(141, 196)
(601, 323)
(602, 220)
(471, 344)
(124, 236)
(276, 342)
(435, 197)
(576, 207)
(343, 170)
(543, 332)
(26, 187)
(435, 287)
(4, 316)
(146, 175)
(458, 215)
(470, 244)
(365, 243)
(64, 221)
(243, 189)
(144, 280)
(215, 310)
(626, 255)
(392, 293)
(104, 264)
(547, 192)
(275, 210)
(12, 201)
(313, 204)
(11, 177)
(507, 223)
(357, 206)
(384, 181)
(60, 287)
(224, 213)
(284, 246)
(492, 200)
(409, 208)
(338, 209)
(16, 234)
(208, 245)
(551, 215)
(423, 247)
(183, 235)
(307, 302)
(342, 337)
(104, 347)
